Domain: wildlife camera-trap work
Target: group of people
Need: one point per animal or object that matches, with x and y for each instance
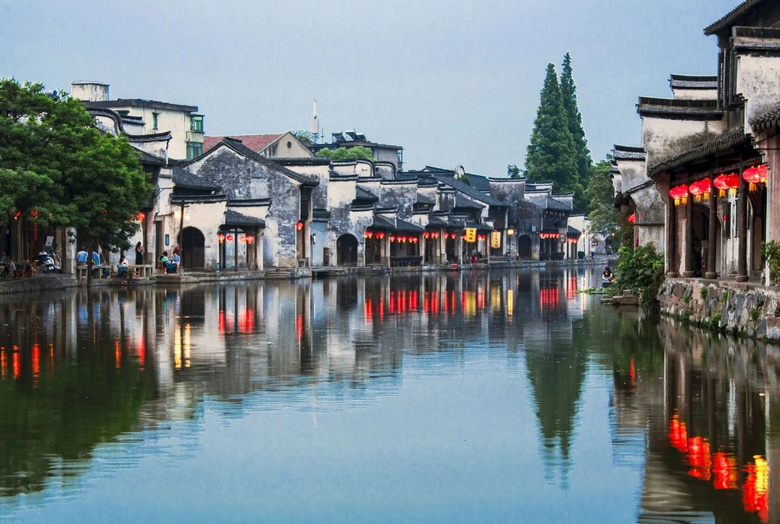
(8, 267)
(168, 265)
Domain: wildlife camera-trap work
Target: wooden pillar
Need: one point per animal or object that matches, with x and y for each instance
(742, 274)
(688, 258)
(712, 242)
(671, 238)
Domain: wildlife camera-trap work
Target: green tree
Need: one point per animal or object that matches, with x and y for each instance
(551, 153)
(58, 170)
(513, 171)
(345, 154)
(307, 137)
(600, 195)
(569, 94)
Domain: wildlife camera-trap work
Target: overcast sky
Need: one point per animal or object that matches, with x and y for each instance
(453, 81)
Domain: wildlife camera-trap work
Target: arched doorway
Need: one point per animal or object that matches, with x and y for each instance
(346, 250)
(192, 249)
(524, 246)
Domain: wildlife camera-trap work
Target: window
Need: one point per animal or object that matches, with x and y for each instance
(194, 150)
(196, 123)
(155, 122)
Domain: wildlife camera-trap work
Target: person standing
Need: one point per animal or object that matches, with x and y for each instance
(139, 254)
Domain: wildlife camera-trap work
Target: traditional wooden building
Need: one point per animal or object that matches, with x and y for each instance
(709, 150)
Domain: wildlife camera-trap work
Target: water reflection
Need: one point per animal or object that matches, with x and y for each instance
(90, 382)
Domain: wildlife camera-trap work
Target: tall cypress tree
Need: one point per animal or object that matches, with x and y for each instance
(550, 156)
(569, 92)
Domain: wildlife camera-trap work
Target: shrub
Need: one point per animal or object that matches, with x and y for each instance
(771, 253)
(641, 270)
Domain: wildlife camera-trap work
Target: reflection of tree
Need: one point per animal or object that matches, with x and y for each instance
(556, 375)
(65, 412)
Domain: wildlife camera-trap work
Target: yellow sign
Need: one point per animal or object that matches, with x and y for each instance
(495, 239)
(471, 234)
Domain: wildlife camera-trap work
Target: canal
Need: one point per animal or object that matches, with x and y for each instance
(448, 397)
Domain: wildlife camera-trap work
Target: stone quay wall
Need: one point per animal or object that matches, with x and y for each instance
(743, 309)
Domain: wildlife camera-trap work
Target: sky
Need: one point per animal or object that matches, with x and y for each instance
(454, 82)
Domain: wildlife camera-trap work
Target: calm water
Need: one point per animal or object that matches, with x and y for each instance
(499, 397)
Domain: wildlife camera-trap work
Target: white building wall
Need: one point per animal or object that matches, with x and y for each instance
(663, 137)
(758, 80)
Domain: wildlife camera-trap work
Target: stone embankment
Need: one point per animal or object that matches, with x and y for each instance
(738, 308)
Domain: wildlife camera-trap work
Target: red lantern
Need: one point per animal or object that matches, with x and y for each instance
(250, 239)
(679, 194)
(696, 190)
(426, 235)
(435, 234)
(230, 238)
(140, 216)
(752, 176)
(221, 237)
(726, 182)
(380, 235)
(763, 173)
(632, 218)
(392, 238)
(299, 225)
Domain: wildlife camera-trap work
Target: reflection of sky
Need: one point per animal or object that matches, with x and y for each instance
(456, 446)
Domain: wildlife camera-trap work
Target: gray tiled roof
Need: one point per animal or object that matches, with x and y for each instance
(693, 82)
(628, 153)
(234, 218)
(468, 190)
(732, 16)
(768, 119)
(184, 179)
(717, 145)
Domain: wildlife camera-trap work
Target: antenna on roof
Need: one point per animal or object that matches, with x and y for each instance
(315, 123)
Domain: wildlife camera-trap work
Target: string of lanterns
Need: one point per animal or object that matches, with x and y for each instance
(222, 237)
(724, 183)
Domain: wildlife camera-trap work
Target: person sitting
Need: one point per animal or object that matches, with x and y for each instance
(121, 269)
(81, 256)
(27, 269)
(176, 260)
(5, 265)
(164, 261)
(607, 276)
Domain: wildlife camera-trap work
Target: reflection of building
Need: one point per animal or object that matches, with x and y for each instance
(710, 440)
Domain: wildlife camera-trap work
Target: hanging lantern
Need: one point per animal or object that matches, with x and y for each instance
(380, 235)
(392, 238)
(722, 185)
(229, 238)
(706, 188)
(250, 239)
(696, 190)
(631, 218)
(299, 225)
(752, 177)
(140, 216)
(426, 235)
(221, 237)
(763, 173)
(679, 194)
